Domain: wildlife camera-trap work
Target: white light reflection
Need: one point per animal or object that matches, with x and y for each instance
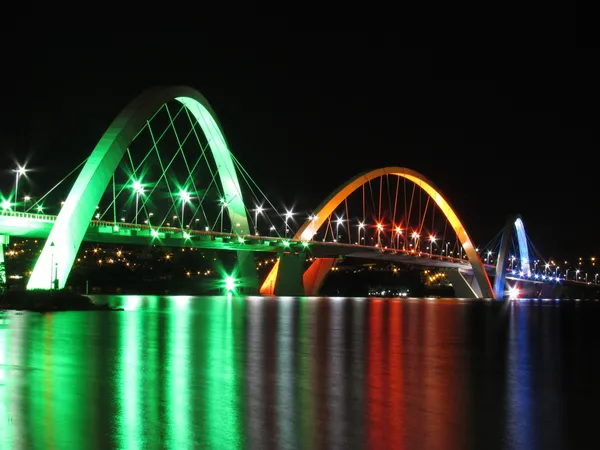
(254, 375)
(285, 374)
(336, 383)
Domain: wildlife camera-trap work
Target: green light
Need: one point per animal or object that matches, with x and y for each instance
(286, 243)
(240, 240)
(185, 196)
(229, 283)
(305, 244)
(138, 187)
(116, 228)
(154, 233)
(40, 208)
(6, 205)
(186, 235)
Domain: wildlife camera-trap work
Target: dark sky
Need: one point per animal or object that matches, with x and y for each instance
(497, 132)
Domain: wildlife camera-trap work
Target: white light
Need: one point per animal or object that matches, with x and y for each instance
(513, 293)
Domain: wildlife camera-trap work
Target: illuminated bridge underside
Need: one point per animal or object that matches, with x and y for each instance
(310, 227)
(72, 223)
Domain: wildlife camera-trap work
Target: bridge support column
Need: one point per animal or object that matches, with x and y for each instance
(3, 243)
(246, 273)
(289, 281)
(314, 277)
(465, 286)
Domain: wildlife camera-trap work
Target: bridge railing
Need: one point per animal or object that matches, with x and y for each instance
(191, 232)
(27, 215)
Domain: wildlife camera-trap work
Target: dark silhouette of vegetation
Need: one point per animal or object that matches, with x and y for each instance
(48, 301)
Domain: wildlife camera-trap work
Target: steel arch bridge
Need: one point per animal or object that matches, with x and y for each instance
(72, 222)
(315, 275)
(78, 219)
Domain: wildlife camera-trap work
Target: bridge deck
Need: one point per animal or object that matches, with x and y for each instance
(38, 226)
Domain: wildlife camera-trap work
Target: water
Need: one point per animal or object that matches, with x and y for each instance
(185, 372)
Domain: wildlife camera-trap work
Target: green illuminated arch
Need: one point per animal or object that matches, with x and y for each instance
(61, 248)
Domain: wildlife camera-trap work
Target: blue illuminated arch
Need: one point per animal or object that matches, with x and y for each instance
(514, 222)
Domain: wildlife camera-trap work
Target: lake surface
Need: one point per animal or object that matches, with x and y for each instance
(226, 373)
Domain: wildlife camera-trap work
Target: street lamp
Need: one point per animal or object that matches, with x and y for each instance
(339, 221)
(19, 171)
(257, 211)
(288, 216)
(379, 229)
(415, 236)
(223, 206)
(138, 188)
(185, 197)
(432, 239)
(25, 200)
(398, 233)
(361, 226)
(596, 278)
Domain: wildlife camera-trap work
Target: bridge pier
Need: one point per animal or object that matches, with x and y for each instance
(315, 275)
(289, 280)
(246, 273)
(3, 243)
(465, 286)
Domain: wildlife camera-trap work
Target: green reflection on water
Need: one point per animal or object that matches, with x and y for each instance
(128, 382)
(223, 380)
(178, 375)
(6, 428)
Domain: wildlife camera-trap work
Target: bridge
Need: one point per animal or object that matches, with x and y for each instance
(163, 174)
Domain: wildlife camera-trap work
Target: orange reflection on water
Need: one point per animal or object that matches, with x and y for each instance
(376, 399)
(442, 394)
(395, 380)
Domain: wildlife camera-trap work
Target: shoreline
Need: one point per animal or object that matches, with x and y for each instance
(49, 301)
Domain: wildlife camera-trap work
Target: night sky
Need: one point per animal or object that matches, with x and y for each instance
(498, 133)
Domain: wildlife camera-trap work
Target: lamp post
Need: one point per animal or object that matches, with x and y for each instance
(138, 188)
(361, 226)
(379, 228)
(18, 172)
(398, 233)
(223, 206)
(257, 211)
(432, 239)
(339, 221)
(185, 197)
(415, 236)
(288, 216)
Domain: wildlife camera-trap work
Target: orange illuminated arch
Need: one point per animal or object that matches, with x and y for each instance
(326, 208)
